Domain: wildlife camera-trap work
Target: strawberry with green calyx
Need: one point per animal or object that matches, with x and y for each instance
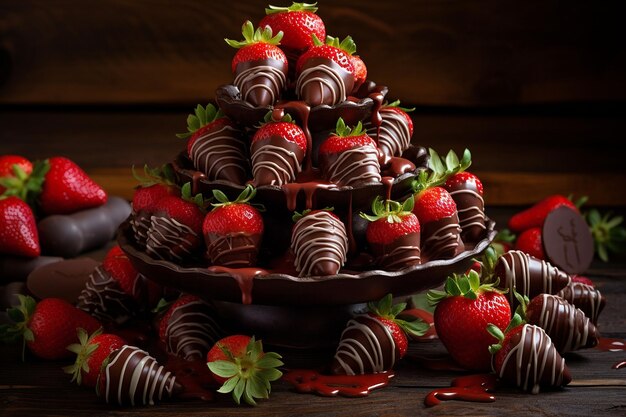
(393, 233)
(47, 327)
(349, 156)
(395, 131)
(348, 45)
(260, 66)
(175, 232)
(19, 234)
(525, 357)
(155, 184)
(233, 230)
(278, 148)
(319, 242)
(608, 235)
(585, 297)
(14, 171)
(374, 342)
(325, 73)
(463, 310)
(535, 215)
(530, 241)
(91, 351)
(239, 363)
(215, 146)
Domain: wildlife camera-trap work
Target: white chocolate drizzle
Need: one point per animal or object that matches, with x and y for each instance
(334, 83)
(282, 163)
(585, 297)
(472, 216)
(276, 77)
(104, 299)
(191, 330)
(165, 234)
(216, 151)
(442, 242)
(394, 135)
(354, 167)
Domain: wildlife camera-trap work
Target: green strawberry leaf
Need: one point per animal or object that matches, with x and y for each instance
(229, 385)
(225, 369)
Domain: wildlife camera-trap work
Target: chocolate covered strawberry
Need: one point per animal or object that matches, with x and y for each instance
(393, 234)
(233, 230)
(464, 309)
(585, 297)
(467, 192)
(349, 157)
(325, 73)
(47, 326)
(14, 171)
(531, 242)
(189, 328)
(277, 150)
(525, 357)
(535, 215)
(18, 228)
(319, 242)
(360, 72)
(260, 66)
(175, 231)
(215, 146)
(395, 131)
(376, 341)
(239, 363)
(91, 351)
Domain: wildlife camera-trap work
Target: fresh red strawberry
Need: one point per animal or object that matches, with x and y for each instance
(338, 52)
(14, 170)
(360, 71)
(18, 228)
(233, 230)
(535, 215)
(460, 179)
(49, 326)
(525, 357)
(239, 363)
(215, 145)
(155, 184)
(297, 22)
(277, 150)
(434, 204)
(582, 280)
(375, 341)
(393, 233)
(117, 264)
(67, 188)
(463, 311)
(260, 66)
(91, 351)
(530, 241)
(349, 156)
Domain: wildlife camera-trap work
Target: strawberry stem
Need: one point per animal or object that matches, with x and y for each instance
(441, 170)
(295, 7)
(252, 36)
(202, 116)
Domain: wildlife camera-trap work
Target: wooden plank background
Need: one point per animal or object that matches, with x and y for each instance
(532, 88)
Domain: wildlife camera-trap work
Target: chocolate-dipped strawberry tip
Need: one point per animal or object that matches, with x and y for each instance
(395, 131)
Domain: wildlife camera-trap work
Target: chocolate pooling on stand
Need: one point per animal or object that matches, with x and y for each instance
(319, 242)
(585, 297)
(130, 376)
(567, 326)
(528, 276)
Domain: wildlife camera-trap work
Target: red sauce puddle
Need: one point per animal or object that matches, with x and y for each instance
(608, 344)
(310, 381)
(243, 276)
(474, 388)
(194, 377)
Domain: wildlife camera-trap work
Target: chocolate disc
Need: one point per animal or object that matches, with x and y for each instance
(567, 241)
(64, 279)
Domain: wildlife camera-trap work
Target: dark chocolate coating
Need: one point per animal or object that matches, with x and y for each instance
(352, 167)
(393, 136)
(104, 299)
(238, 250)
(322, 81)
(567, 240)
(441, 239)
(275, 161)
(567, 326)
(261, 82)
(585, 297)
(366, 347)
(401, 253)
(14, 268)
(72, 234)
(471, 210)
(140, 222)
(533, 362)
(192, 330)
(171, 240)
(418, 155)
(9, 293)
(132, 377)
(529, 276)
(65, 279)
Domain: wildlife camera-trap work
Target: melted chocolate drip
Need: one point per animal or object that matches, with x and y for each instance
(441, 239)
(585, 297)
(351, 167)
(104, 299)
(567, 326)
(192, 330)
(393, 136)
(275, 161)
(401, 253)
(322, 81)
(171, 240)
(235, 250)
(261, 82)
(471, 209)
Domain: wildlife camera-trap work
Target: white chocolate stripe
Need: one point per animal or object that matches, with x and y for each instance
(333, 80)
(274, 75)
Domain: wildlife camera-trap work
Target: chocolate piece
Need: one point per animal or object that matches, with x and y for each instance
(9, 293)
(171, 240)
(220, 154)
(192, 330)
(567, 326)
(64, 279)
(320, 243)
(261, 82)
(471, 210)
(533, 362)
(567, 241)
(235, 250)
(393, 136)
(585, 297)
(366, 347)
(418, 155)
(72, 234)
(351, 167)
(275, 161)
(103, 298)
(132, 377)
(441, 239)
(322, 81)
(529, 276)
(401, 253)
(14, 268)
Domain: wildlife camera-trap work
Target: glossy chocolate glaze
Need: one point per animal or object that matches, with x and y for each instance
(104, 299)
(275, 161)
(261, 82)
(14, 268)
(441, 238)
(192, 330)
(471, 209)
(585, 297)
(393, 136)
(171, 240)
(235, 250)
(402, 252)
(64, 279)
(140, 222)
(352, 167)
(322, 81)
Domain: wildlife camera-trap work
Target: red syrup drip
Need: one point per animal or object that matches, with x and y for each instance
(619, 365)
(194, 376)
(243, 276)
(608, 344)
(474, 388)
(310, 381)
